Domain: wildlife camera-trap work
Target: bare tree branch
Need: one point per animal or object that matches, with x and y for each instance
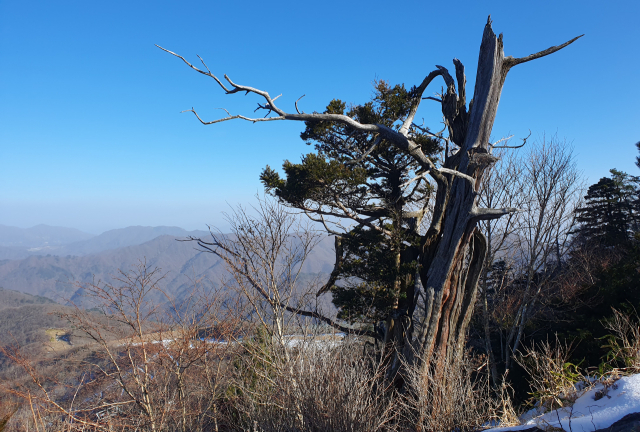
(408, 182)
(366, 153)
(397, 138)
(524, 141)
(324, 223)
(337, 267)
(468, 178)
(296, 104)
(462, 81)
(500, 140)
(365, 222)
(237, 116)
(208, 73)
(511, 61)
(416, 101)
(479, 214)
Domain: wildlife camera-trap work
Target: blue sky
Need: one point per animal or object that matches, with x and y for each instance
(91, 135)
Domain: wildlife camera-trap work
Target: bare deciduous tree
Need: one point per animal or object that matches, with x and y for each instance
(526, 250)
(151, 366)
(292, 376)
(501, 187)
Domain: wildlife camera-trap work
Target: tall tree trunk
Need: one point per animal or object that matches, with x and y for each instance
(454, 254)
(453, 250)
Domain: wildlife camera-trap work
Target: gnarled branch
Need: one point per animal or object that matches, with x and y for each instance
(417, 96)
(479, 214)
(524, 141)
(366, 153)
(511, 61)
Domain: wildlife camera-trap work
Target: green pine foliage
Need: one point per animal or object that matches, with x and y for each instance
(366, 296)
(609, 231)
(611, 211)
(335, 179)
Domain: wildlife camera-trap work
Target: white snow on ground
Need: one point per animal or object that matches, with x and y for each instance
(588, 414)
(327, 340)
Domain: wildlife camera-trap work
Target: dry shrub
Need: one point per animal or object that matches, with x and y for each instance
(450, 395)
(555, 382)
(148, 367)
(624, 342)
(327, 386)
(321, 384)
(340, 389)
(506, 413)
(7, 411)
(189, 402)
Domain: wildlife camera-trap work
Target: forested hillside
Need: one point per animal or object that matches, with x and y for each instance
(57, 277)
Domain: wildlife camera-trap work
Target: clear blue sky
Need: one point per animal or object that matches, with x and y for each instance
(90, 131)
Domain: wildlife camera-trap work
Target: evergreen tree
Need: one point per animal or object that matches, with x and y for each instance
(611, 212)
(608, 249)
(378, 260)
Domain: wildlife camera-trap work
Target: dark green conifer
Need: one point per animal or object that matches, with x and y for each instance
(374, 265)
(610, 215)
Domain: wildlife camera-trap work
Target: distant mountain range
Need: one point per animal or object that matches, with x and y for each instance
(39, 236)
(16, 243)
(53, 262)
(123, 237)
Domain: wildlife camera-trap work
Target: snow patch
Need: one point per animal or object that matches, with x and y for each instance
(588, 414)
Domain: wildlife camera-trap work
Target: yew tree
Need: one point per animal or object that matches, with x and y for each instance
(400, 198)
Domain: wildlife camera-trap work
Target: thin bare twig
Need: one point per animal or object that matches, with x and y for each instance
(296, 104)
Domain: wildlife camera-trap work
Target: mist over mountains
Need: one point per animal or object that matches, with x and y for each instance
(52, 261)
(43, 239)
(39, 236)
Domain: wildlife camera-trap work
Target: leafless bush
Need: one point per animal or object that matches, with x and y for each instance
(554, 381)
(624, 342)
(451, 395)
(151, 367)
(330, 386)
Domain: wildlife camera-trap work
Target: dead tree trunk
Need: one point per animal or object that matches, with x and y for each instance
(452, 251)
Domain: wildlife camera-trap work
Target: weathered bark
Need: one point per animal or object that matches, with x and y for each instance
(452, 252)
(445, 275)
(443, 272)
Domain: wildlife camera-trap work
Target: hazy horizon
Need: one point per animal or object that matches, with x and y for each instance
(118, 217)
(93, 138)
(101, 232)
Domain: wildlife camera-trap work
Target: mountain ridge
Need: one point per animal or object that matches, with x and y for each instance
(59, 277)
(20, 243)
(39, 235)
